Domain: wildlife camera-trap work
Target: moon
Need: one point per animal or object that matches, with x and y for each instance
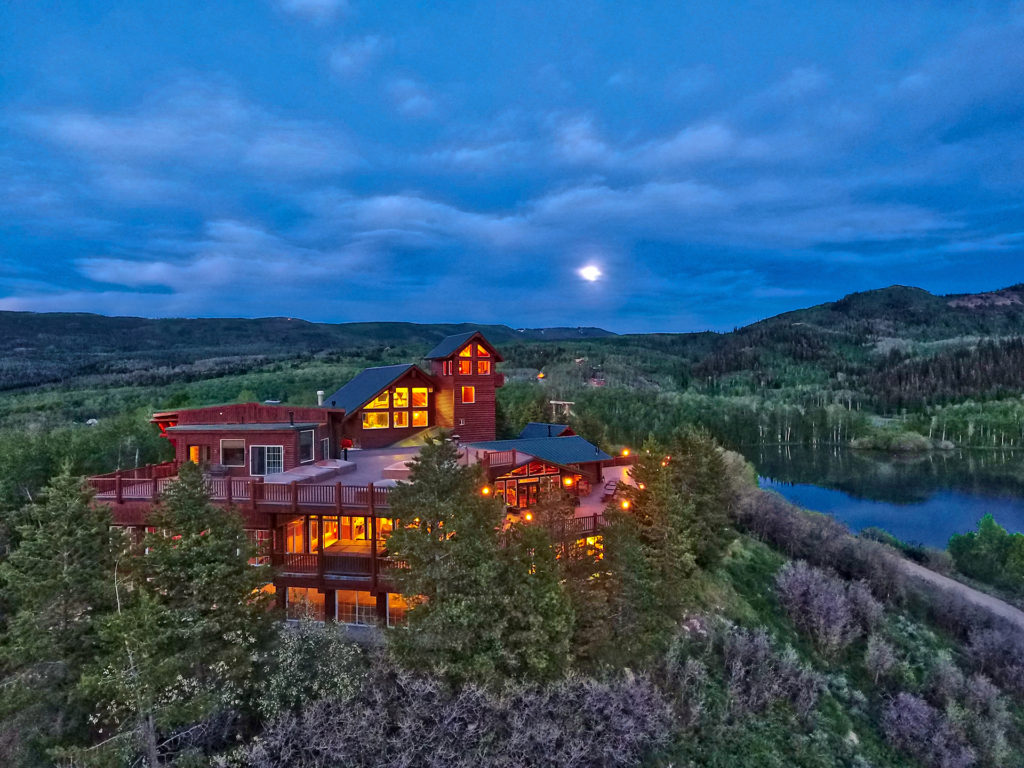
(590, 273)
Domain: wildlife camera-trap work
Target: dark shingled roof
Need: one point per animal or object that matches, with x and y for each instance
(542, 429)
(450, 345)
(557, 450)
(365, 386)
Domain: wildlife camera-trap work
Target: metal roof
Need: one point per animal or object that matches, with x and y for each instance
(542, 429)
(266, 427)
(449, 345)
(366, 385)
(557, 450)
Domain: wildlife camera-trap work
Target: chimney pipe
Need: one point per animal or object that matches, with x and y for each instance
(320, 397)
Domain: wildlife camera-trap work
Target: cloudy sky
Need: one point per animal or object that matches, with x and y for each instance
(336, 160)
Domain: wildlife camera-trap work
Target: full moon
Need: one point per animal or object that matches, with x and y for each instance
(590, 273)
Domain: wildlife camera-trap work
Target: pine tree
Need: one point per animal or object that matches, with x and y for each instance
(182, 648)
(56, 583)
(488, 602)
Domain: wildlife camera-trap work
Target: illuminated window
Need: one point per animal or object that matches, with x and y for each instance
(375, 420)
(199, 454)
(397, 608)
(446, 368)
(381, 401)
(266, 459)
(467, 351)
(401, 419)
(483, 367)
(419, 397)
(465, 367)
(402, 397)
(306, 438)
(356, 607)
(305, 602)
(481, 352)
(294, 536)
(420, 419)
(261, 541)
(330, 530)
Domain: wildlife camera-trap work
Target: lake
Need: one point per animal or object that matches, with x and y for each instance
(921, 498)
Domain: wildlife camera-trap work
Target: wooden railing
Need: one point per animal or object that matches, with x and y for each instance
(501, 458)
(125, 486)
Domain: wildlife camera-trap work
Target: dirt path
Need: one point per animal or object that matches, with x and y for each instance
(993, 604)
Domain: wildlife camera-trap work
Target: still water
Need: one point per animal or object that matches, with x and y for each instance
(922, 498)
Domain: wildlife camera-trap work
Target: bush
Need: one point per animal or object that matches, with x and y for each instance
(880, 659)
(399, 718)
(825, 607)
(912, 725)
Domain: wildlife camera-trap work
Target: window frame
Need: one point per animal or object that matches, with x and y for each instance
(312, 446)
(403, 415)
(232, 440)
(395, 399)
(426, 418)
(266, 463)
(483, 367)
(381, 402)
(426, 397)
(472, 394)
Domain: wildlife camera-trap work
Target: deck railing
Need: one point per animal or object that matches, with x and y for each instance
(133, 485)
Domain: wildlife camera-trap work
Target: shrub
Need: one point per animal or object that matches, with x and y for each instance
(828, 609)
(758, 676)
(912, 725)
(880, 658)
(399, 718)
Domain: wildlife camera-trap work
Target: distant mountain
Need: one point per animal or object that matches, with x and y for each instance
(38, 348)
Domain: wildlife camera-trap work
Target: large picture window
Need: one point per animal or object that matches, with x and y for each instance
(466, 351)
(266, 459)
(306, 438)
(419, 397)
(375, 420)
(356, 607)
(420, 419)
(383, 400)
(483, 367)
(465, 367)
(469, 394)
(481, 351)
(401, 419)
(232, 453)
(402, 397)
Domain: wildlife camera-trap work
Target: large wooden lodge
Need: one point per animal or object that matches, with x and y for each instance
(312, 484)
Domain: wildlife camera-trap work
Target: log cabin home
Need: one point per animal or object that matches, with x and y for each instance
(312, 483)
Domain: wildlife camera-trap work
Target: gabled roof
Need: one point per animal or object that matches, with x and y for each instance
(449, 345)
(543, 429)
(557, 450)
(366, 385)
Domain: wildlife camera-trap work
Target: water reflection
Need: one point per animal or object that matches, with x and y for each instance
(921, 497)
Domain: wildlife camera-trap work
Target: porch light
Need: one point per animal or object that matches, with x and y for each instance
(625, 504)
(540, 375)
(528, 516)
(625, 451)
(567, 482)
(642, 486)
(486, 490)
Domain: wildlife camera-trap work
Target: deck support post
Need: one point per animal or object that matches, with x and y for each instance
(330, 606)
(228, 494)
(338, 507)
(119, 487)
(373, 536)
(295, 497)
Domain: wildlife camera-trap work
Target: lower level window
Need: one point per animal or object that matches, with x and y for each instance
(266, 459)
(304, 602)
(261, 540)
(397, 608)
(421, 418)
(355, 607)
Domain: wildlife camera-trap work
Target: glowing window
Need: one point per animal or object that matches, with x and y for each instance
(483, 367)
(398, 607)
(481, 352)
(419, 397)
(465, 367)
(381, 401)
(375, 420)
(401, 419)
(420, 419)
(469, 394)
(467, 351)
(402, 397)
(446, 368)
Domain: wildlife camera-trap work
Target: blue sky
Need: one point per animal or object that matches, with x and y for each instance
(341, 160)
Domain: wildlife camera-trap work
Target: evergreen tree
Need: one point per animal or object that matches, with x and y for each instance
(56, 583)
(488, 602)
(191, 623)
